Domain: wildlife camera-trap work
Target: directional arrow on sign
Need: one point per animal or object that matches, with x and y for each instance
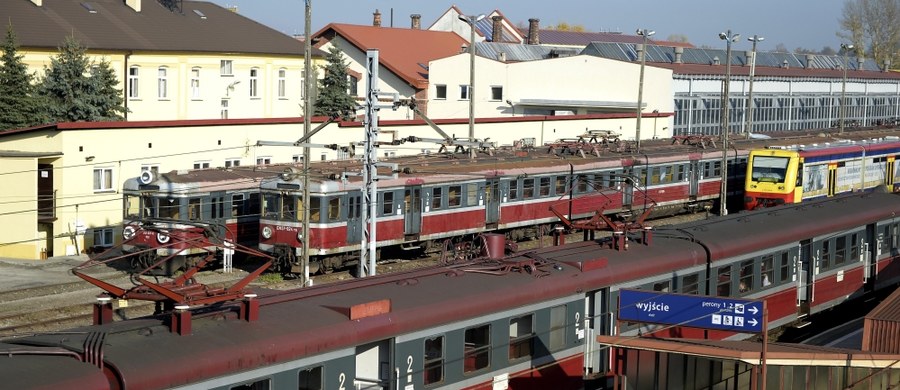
(752, 322)
(753, 310)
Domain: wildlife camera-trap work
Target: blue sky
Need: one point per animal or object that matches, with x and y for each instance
(809, 24)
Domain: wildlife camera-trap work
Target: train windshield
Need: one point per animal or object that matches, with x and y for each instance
(281, 206)
(170, 208)
(137, 207)
(769, 169)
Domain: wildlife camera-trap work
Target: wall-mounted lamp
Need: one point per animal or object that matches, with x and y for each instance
(89, 158)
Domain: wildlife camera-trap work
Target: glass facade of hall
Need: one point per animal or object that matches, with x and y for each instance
(702, 114)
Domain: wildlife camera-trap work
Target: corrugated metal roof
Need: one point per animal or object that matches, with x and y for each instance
(515, 52)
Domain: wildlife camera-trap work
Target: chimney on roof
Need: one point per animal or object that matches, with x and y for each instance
(859, 63)
(810, 58)
(501, 56)
(38, 2)
(715, 60)
(533, 36)
(376, 18)
(416, 21)
(497, 29)
(679, 51)
(887, 65)
(134, 4)
(639, 48)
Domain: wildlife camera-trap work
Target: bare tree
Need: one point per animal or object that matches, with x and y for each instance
(871, 26)
(781, 48)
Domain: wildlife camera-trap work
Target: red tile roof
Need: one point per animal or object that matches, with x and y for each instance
(400, 50)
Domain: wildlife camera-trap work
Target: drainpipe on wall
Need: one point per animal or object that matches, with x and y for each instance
(125, 90)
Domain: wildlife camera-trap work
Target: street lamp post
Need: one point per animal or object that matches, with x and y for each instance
(755, 39)
(307, 117)
(729, 38)
(471, 20)
(645, 33)
(844, 48)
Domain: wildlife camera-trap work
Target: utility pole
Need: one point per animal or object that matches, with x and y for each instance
(307, 118)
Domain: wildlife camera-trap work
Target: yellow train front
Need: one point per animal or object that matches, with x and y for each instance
(779, 175)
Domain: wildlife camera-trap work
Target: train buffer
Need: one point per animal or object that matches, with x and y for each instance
(700, 140)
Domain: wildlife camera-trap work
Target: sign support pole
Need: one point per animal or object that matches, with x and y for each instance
(765, 341)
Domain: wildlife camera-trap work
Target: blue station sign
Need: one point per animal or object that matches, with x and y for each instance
(697, 311)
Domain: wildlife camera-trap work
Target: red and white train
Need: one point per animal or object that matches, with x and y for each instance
(528, 320)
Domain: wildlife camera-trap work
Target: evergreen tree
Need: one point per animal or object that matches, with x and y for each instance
(73, 94)
(333, 99)
(19, 105)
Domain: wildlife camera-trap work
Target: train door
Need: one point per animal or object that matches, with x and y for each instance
(694, 175)
(599, 319)
(627, 186)
(889, 175)
(413, 212)
(492, 194)
(805, 278)
(832, 179)
(870, 249)
(373, 366)
(354, 215)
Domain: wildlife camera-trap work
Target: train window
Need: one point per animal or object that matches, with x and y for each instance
(840, 249)
(689, 284)
(262, 384)
(679, 172)
(582, 185)
(289, 208)
(271, 206)
(133, 207)
(170, 208)
(310, 379)
(767, 269)
(665, 174)
(471, 194)
(521, 337)
(662, 286)
(769, 169)
(561, 187)
(557, 328)
(387, 203)
(723, 286)
(527, 188)
(545, 186)
(436, 198)
(315, 209)
(477, 348)
(434, 360)
(513, 189)
(654, 175)
(746, 282)
(194, 209)
(334, 209)
(454, 196)
(825, 255)
(854, 247)
(784, 266)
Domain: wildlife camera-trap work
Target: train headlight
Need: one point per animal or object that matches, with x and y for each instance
(267, 232)
(128, 232)
(162, 237)
(299, 235)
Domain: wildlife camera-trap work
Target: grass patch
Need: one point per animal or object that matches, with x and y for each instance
(270, 278)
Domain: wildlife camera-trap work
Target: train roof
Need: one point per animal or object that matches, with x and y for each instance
(856, 145)
(201, 180)
(303, 323)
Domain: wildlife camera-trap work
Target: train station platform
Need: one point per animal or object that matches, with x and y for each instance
(653, 363)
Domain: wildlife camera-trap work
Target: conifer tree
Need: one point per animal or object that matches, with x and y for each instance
(333, 99)
(78, 89)
(19, 105)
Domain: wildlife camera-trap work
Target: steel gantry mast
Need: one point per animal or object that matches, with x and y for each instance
(370, 169)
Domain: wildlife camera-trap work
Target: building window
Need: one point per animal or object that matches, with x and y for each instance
(311, 379)
(353, 86)
(440, 91)
(254, 82)
(521, 337)
(195, 83)
(103, 179)
(153, 168)
(201, 164)
(496, 93)
(232, 162)
(225, 68)
(296, 158)
(133, 73)
(282, 83)
(265, 160)
(477, 348)
(434, 360)
(162, 83)
(224, 110)
(103, 237)
(463, 92)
